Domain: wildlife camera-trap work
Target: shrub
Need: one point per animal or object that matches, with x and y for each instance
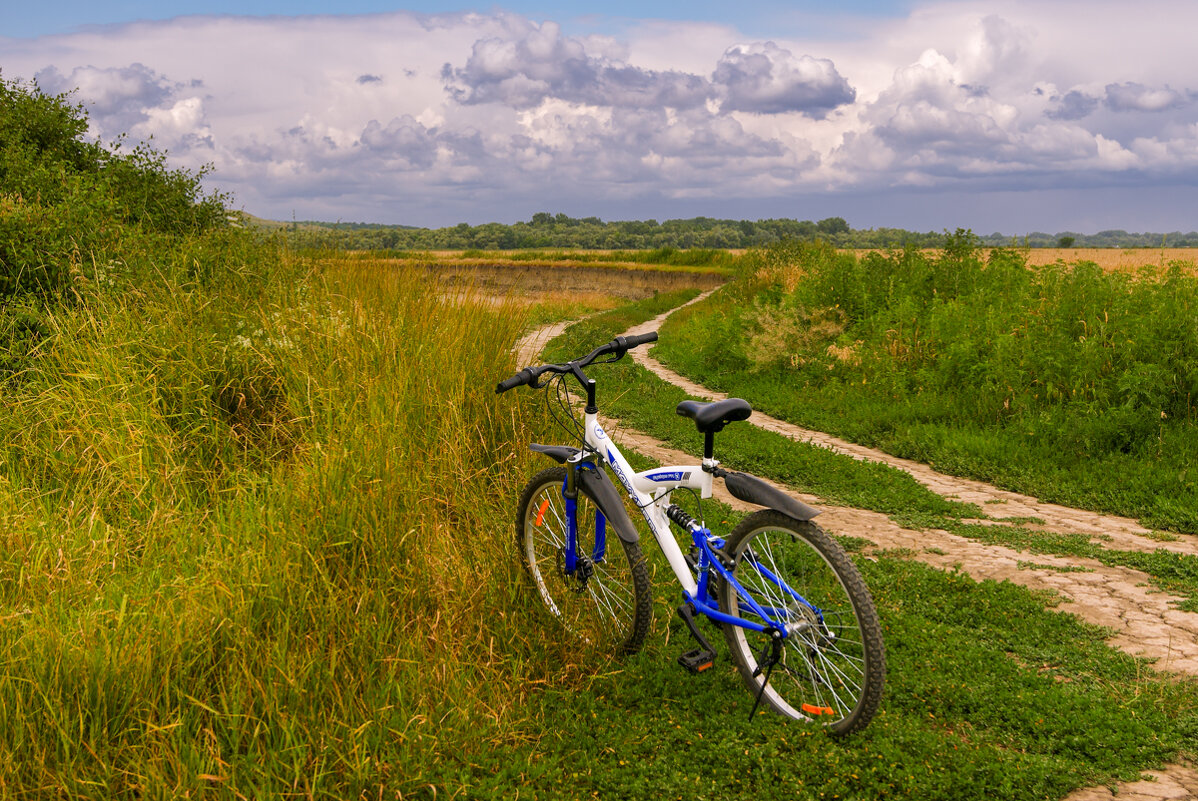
(70, 206)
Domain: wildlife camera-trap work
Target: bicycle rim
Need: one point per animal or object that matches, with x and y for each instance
(832, 665)
(606, 600)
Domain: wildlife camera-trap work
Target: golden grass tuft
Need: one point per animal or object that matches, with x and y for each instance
(258, 536)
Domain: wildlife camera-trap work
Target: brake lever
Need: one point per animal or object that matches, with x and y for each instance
(619, 355)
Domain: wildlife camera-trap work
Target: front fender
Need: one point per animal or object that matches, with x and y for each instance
(596, 483)
(558, 453)
(751, 489)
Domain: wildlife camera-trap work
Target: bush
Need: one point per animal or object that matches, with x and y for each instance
(1046, 379)
(70, 206)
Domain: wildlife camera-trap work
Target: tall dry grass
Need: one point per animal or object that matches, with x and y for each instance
(257, 541)
(1115, 259)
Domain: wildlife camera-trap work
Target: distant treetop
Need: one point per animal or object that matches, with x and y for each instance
(547, 230)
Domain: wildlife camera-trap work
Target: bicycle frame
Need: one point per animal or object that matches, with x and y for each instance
(651, 490)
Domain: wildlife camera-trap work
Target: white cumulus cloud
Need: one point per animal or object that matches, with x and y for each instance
(432, 119)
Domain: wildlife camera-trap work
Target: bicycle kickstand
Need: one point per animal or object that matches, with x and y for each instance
(703, 657)
(770, 655)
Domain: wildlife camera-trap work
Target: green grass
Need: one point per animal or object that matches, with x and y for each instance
(646, 403)
(249, 541)
(1064, 382)
(258, 542)
(990, 695)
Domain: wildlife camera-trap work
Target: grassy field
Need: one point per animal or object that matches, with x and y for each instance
(256, 510)
(259, 543)
(250, 534)
(1071, 383)
(985, 685)
(553, 286)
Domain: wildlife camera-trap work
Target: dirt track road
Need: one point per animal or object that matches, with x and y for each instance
(1145, 620)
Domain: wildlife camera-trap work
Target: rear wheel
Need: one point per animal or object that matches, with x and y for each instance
(606, 600)
(831, 665)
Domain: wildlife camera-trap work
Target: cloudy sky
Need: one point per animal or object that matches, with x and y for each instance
(1003, 116)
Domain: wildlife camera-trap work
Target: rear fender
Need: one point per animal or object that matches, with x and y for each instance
(751, 489)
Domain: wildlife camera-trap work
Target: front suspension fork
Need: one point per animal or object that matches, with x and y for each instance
(570, 495)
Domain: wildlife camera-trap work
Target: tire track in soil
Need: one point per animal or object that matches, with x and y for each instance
(1145, 620)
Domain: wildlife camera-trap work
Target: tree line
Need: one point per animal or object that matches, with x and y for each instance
(547, 230)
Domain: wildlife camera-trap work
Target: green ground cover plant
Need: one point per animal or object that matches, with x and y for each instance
(985, 684)
(1065, 382)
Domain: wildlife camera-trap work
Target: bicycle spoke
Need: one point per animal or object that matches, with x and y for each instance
(826, 674)
(603, 599)
(600, 602)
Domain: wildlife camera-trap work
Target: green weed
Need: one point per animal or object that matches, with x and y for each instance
(990, 694)
(1061, 381)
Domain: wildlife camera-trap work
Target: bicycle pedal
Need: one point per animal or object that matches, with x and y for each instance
(698, 660)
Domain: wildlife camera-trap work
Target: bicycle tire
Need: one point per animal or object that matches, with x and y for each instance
(832, 667)
(611, 608)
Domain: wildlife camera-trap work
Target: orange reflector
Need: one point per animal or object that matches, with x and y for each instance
(817, 710)
(541, 511)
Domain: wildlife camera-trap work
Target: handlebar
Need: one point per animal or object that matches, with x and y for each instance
(618, 346)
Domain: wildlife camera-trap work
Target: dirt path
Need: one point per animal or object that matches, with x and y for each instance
(1107, 530)
(528, 348)
(1145, 620)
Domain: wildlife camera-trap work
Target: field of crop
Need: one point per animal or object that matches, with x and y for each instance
(1130, 260)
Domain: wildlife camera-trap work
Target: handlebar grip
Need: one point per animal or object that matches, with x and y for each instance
(519, 379)
(640, 339)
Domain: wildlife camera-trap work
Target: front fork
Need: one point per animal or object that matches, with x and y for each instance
(570, 494)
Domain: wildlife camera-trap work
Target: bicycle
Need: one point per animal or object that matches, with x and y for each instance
(797, 617)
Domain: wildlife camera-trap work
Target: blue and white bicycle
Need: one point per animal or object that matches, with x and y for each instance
(797, 617)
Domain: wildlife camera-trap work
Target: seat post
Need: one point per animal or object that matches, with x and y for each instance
(708, 444)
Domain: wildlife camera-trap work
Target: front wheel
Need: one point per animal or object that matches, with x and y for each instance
(831, 665)
(605, 599)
